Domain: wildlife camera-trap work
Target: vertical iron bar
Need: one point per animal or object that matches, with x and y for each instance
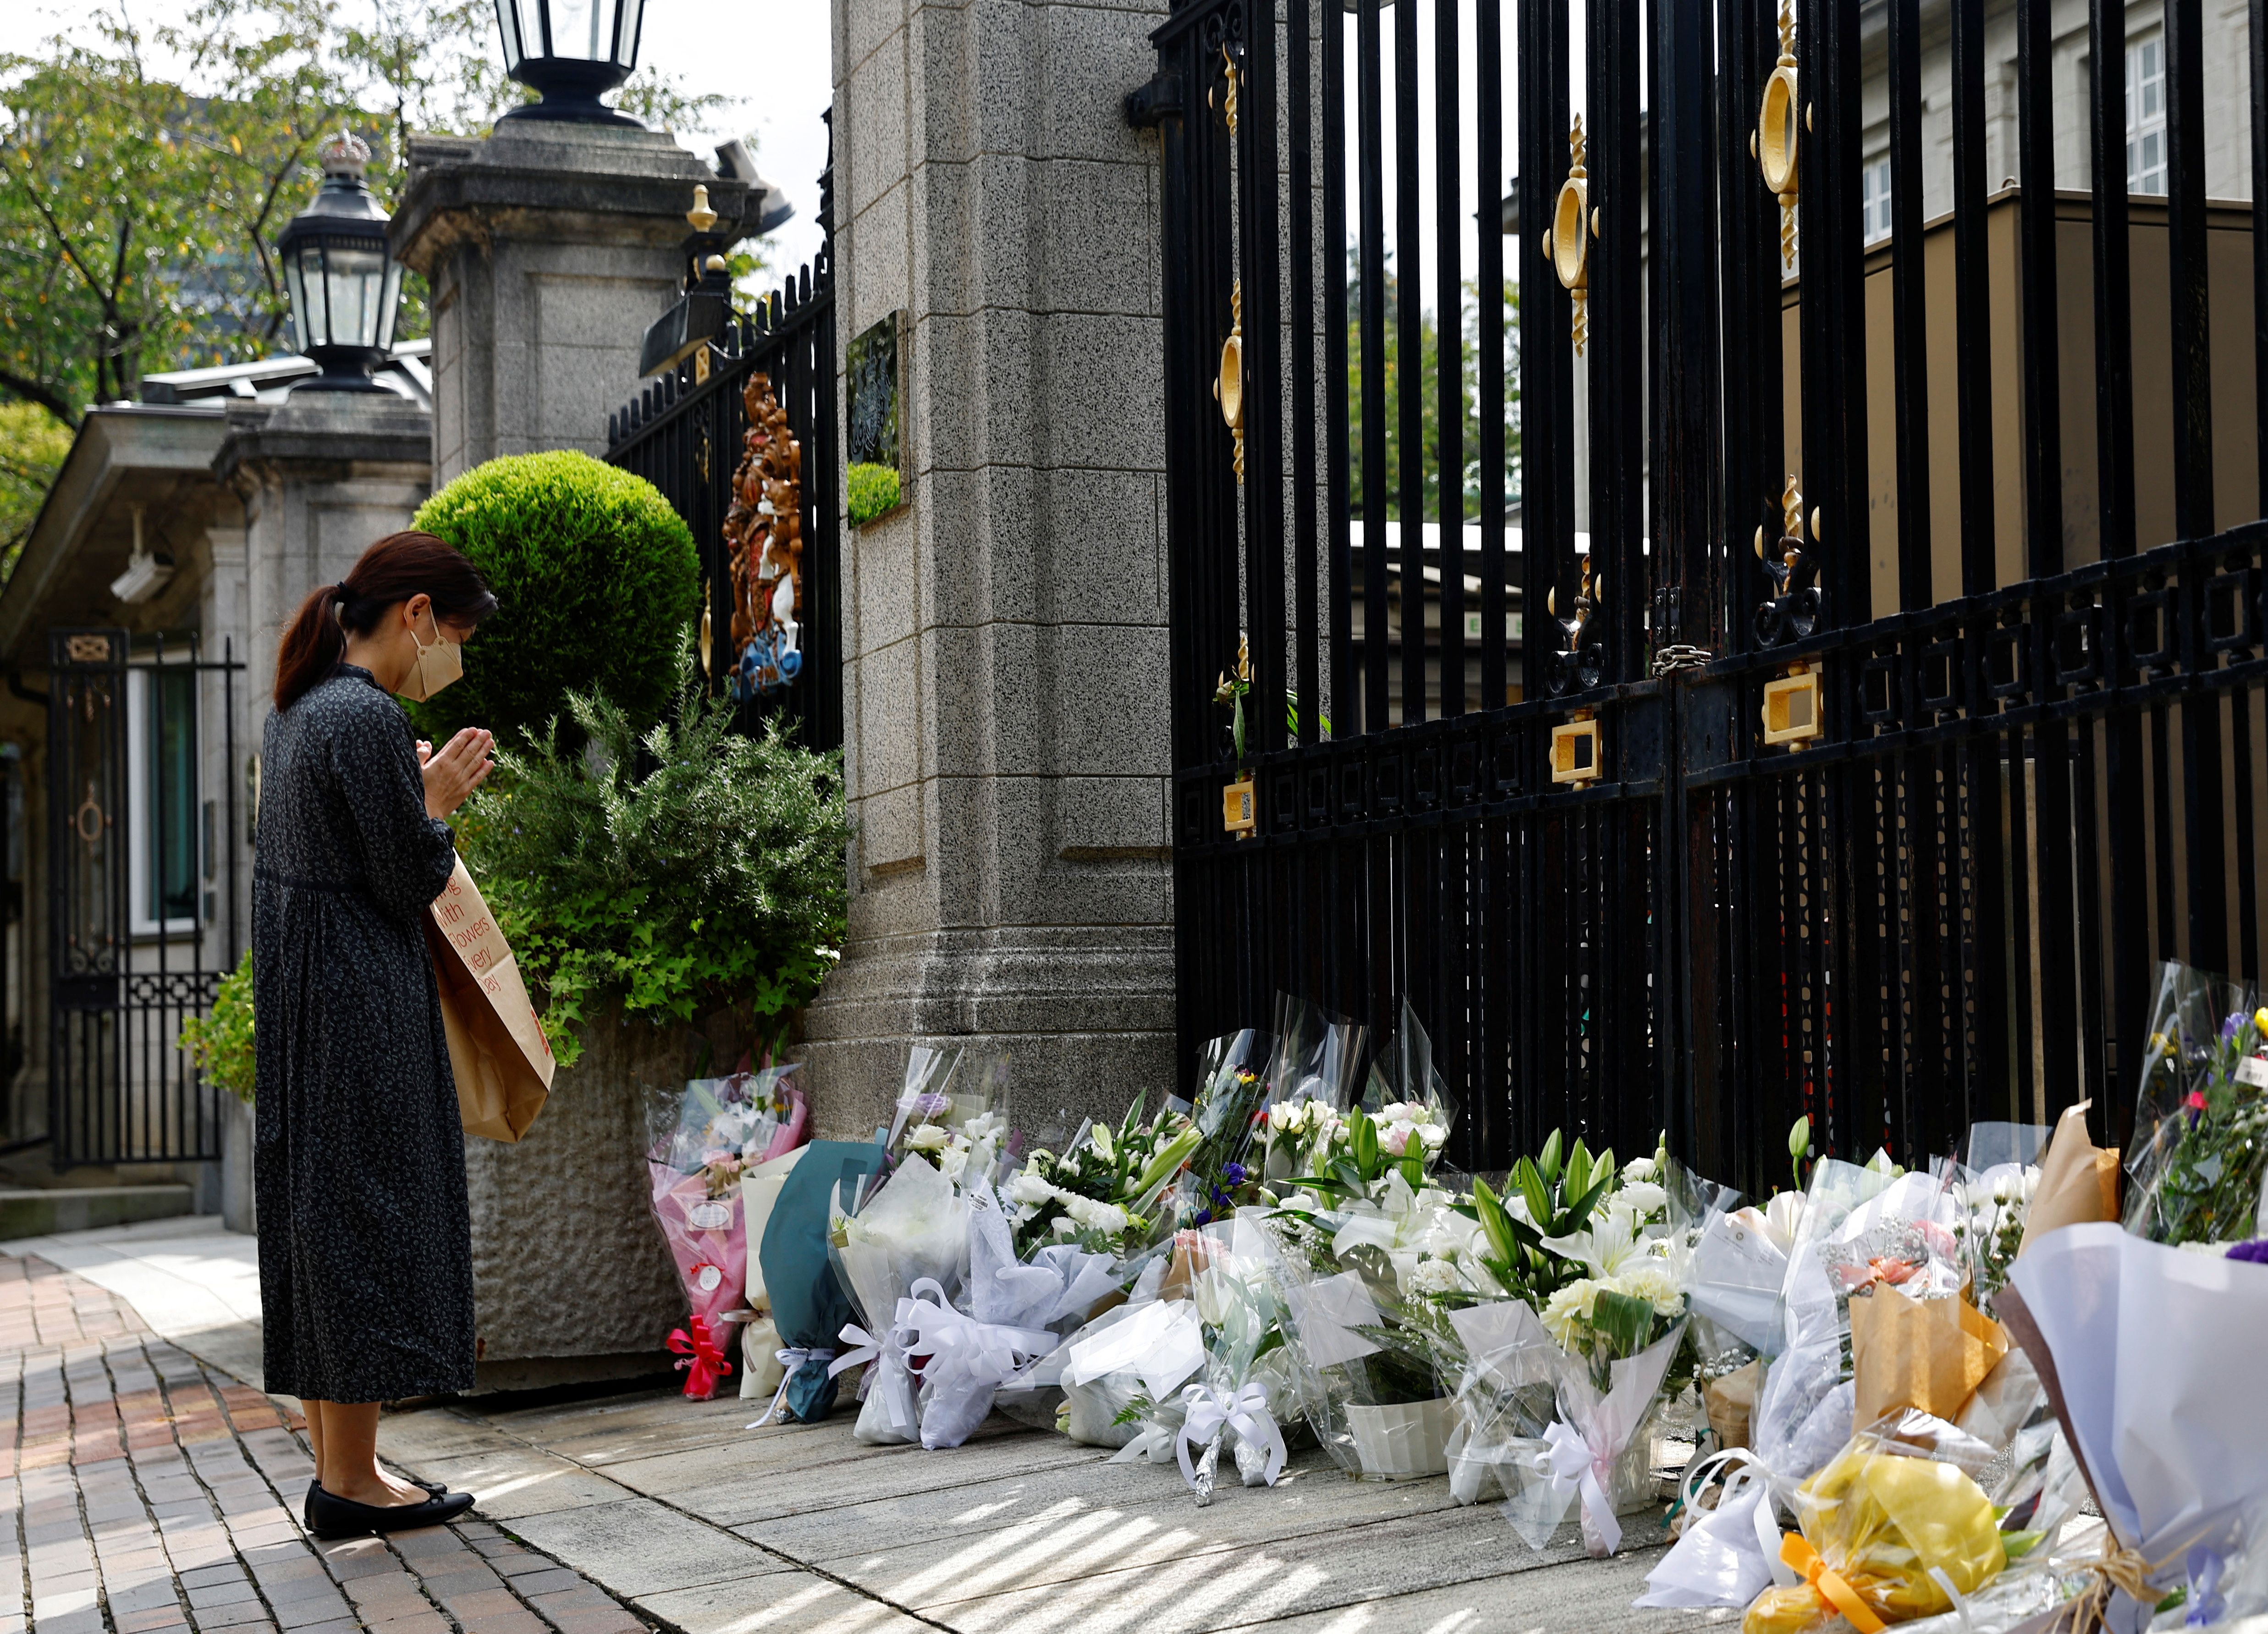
(1260, 258)
(1910, 301)
(1300, 423)
(1488, 49)
(1346, 694)
(1449, 346)
(1371, 156)
(1972, 296)
(1409, 369)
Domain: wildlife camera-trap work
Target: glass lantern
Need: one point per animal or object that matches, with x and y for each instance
(343, 285)
(572, 51)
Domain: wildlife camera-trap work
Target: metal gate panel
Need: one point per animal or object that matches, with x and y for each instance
(142, 917)
(1748, 844)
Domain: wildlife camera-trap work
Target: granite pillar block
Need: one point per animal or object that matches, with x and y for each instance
(1007, 699)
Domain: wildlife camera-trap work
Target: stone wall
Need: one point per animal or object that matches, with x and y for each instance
(1006, 703)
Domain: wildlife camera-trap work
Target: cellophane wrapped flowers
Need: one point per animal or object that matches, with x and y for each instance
(1107, 1190)
(2199, 1172)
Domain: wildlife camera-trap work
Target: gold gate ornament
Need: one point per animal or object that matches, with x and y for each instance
(1575, 750)
(1774, 143)
(1791, 711)
(1567, 241)
(1228, 386)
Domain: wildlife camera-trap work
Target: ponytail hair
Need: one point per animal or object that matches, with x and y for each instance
(397, 567)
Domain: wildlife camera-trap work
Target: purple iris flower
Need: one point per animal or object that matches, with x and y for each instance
(2233, 1025)
(1205, 1216)
(2256, 1251)
(1233, 1173)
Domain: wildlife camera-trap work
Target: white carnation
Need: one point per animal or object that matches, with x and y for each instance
(1652, 1281)
(1567, 1313)
(1434, 1276)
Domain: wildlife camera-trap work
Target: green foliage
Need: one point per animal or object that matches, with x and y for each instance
(1466, 369)
(221, 1043)
(33, 446)
(1558, 1197)
(874, 492)
(139, 215)
(718, 880)
(597, 581)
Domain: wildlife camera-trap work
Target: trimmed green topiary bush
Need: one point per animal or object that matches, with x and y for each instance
(596, 577)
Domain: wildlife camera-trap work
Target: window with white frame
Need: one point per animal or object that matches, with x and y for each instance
(161, 799)
(1874, 198)
(2145, 116)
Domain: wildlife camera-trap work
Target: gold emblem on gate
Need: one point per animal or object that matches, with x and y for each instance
(1774, 143)
(1567, 241)
(1237, 815)
(1791, 708)
(1575, 751)
(1229, 387)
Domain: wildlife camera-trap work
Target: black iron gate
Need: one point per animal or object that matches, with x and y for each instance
(142, 893)
(685, 434)
(1737, 804)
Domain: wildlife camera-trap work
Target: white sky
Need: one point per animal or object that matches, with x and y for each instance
(709, 47)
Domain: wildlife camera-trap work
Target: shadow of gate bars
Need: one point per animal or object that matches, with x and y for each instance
(1636, 732)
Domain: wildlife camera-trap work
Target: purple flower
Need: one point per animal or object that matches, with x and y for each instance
(1205, 1216)
(2230, 1028)
(1233, 1175)
(2256, 1251)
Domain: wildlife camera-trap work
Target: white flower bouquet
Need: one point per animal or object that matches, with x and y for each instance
(1107, 1190)
(914, 1230)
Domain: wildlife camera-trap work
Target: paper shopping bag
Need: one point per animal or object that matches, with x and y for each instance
(2078, 1181)
(1930, 1354)
(497, 1052)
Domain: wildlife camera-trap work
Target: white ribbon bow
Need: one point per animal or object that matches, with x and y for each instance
(1151, 1442)
(1208, 1411)
(1574, 1469)
(1745, 1470)
(964, 1351)
(791, 1358)
(895, 1378)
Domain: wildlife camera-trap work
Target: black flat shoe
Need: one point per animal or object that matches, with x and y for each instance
(330, 1517)
(306, 1504)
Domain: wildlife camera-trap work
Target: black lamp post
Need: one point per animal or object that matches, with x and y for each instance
(343, 283)
(573, 52)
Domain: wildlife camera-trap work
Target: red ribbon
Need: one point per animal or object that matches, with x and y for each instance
(704, 1363)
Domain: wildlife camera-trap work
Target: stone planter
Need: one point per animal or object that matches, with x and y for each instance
(1404, 1442)
(570, 1279)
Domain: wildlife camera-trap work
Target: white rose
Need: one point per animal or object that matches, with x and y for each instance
(928, 1137)
(1108, 1218)
(1642, 1198)
(1029, 1187)
(1638, 1169)
(1433, 1135)
(953, 1161)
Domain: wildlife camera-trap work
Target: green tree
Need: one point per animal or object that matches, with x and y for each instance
(138, 216)
(1429, 355)
(32, 443)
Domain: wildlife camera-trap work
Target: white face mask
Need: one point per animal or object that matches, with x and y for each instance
(436, 665)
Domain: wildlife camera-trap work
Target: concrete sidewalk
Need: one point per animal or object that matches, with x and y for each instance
(672, 1513)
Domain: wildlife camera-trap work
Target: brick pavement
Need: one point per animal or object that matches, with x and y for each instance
(145, 1493)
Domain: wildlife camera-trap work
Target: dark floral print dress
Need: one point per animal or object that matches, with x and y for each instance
(366, 1242)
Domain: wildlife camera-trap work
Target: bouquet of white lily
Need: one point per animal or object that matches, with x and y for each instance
(1107, 1190)
(1560, 1380)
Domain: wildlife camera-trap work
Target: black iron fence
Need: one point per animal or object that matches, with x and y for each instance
(1658, 757)
(689, 435)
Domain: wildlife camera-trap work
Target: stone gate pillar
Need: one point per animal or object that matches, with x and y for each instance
(1006, 703)
(548, 249)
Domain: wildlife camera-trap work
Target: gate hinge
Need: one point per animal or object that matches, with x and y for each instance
(1156, 102)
